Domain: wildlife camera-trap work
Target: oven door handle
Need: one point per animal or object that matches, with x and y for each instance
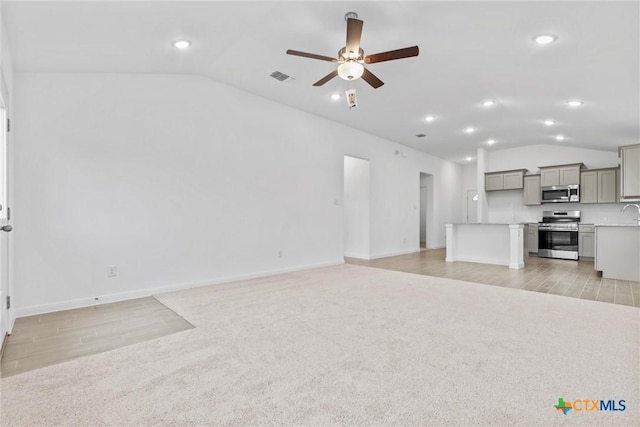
(557, 229)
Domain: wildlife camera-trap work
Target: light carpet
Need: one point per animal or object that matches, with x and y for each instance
(351, 345)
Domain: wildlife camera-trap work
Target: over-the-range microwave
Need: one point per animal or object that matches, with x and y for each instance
(561, 194)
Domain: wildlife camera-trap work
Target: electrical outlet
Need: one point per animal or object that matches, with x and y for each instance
(112, 271)
(280, 254)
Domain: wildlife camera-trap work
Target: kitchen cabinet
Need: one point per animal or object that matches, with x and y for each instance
(513, 180)
(589, 186)
(586, 240)
(560, 175)
(531, 194)
(608, 186)
(599, 186)
(504, 180)
(493, 181)
(532, 238)
(629, 173)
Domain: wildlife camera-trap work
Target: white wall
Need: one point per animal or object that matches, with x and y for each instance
(506, 206)
(180, 181)
(357, 198)
(469, 181)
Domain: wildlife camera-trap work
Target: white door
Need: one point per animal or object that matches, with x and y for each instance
(472, 206)
(5, 226)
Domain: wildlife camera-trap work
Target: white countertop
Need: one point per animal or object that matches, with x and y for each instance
(488, 223)
(617, 225)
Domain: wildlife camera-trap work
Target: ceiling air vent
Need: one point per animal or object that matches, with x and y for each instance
(280, 76)
(421, 135)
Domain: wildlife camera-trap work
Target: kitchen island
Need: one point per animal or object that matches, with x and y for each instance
(618, 251)
(487, 243)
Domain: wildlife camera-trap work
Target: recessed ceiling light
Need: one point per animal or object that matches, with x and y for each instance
(470, 129)
(491, 141)
(489, 103)
(549, 122)
(575, 103)
(335, 96)
(181, 44)
(559, 137)
(469, 159)
(545, 38)
(429, 118)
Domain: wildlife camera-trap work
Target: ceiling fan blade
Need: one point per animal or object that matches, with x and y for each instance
(311, 55)
(326, 78)
(354, 32)
(370, 78)
(392, 54)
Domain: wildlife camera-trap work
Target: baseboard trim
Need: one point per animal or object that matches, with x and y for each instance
(436, 247)
(357, 256)
(388, 254)
(480, 260)
(140, 293)
(4, 342)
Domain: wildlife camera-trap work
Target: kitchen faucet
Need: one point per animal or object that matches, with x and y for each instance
(637, 207)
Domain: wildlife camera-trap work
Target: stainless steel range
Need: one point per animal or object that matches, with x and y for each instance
(558, 234)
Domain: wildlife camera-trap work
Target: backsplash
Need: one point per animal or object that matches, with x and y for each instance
(506, 206)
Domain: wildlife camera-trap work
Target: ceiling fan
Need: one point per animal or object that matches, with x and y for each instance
(352, 58)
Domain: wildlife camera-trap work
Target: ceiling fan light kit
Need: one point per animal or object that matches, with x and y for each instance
(350, 70)
(352, 59)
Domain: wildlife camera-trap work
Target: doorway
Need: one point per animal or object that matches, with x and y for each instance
(426, 208)
(5, 227)
(357, 195)
(472, 206)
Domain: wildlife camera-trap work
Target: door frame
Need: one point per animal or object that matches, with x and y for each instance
(6, 274)
(429, 211)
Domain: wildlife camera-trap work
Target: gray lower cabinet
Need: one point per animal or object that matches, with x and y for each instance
(599, 186)
(532, 238)
(586, 241)
(531, 194)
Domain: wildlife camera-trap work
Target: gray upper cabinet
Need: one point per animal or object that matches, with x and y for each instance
(513, 180)
(531, 190)
(493, 181)
(504, 180)
(560, 175)
(630, 173)
(589, 187)
(549, 177)
(599, 186)
(608, 186)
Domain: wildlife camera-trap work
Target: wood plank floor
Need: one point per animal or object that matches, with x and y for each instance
(47, 339)
(553, 276)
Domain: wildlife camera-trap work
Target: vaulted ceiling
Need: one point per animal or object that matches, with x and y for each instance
(469, 52)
